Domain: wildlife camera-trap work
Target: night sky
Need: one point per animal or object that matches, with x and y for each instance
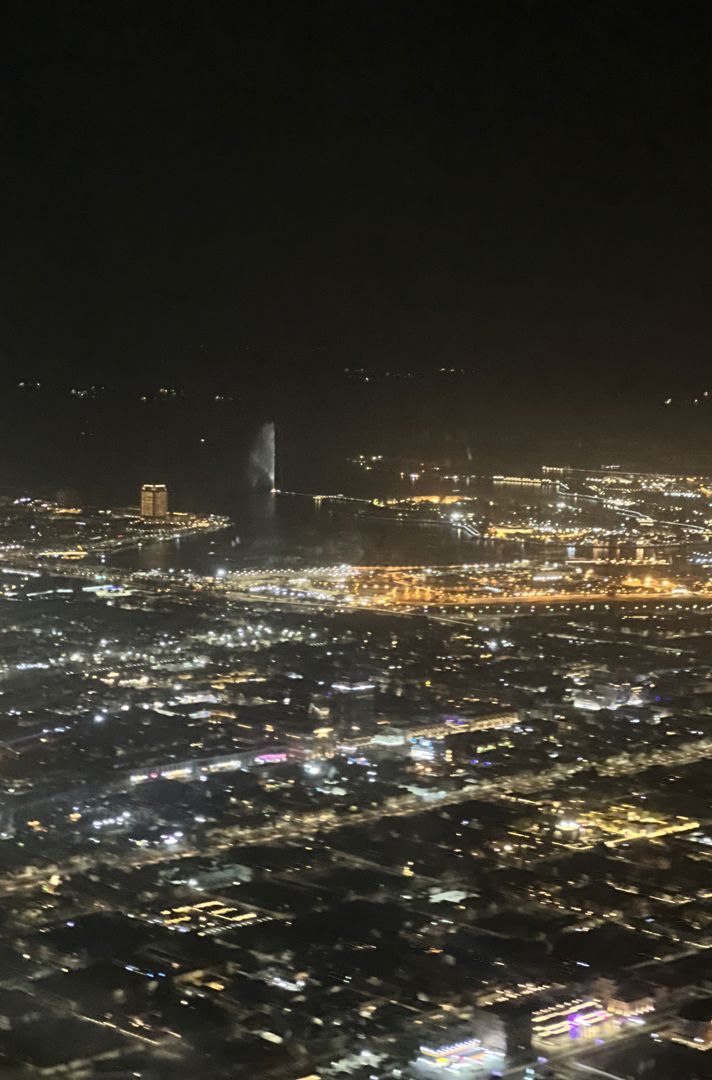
(246, 196)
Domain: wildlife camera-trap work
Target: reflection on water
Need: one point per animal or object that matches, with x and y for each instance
(292, 530)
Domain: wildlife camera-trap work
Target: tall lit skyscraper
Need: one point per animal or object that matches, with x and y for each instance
(352, 706)
(154, 500)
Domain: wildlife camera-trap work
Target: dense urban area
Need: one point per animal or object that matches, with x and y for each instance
(355, 540)
(387, 820)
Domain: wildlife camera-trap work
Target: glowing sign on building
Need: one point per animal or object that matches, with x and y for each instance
(457, 1056)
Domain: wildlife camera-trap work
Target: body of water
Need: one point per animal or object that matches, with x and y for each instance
(291, 530)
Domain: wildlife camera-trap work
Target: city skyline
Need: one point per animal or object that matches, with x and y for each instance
(450, 778)
(356, 541)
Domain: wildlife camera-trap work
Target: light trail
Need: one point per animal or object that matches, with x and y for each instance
(626, 511)
(401, 806)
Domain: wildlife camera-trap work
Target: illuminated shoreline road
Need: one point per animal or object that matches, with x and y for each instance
(626, 511)
(381, 589)
(407, 607)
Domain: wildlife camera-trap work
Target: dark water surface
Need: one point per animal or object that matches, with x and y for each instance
(296, 530)
(287, 530)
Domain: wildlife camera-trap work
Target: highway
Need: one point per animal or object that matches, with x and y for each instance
(305, 825)
(626, 511)
(428, 598)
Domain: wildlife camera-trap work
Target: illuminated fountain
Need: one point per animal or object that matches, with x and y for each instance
(261, 469)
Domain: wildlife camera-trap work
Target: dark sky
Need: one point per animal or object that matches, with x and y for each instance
(235, 191)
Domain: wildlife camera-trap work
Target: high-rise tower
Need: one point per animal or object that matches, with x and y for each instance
(154, 500)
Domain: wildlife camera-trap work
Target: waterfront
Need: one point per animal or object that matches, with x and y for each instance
(327, 699)
(293, 530)
(283, 531)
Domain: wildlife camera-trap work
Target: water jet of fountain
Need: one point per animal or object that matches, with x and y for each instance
(261, 468)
